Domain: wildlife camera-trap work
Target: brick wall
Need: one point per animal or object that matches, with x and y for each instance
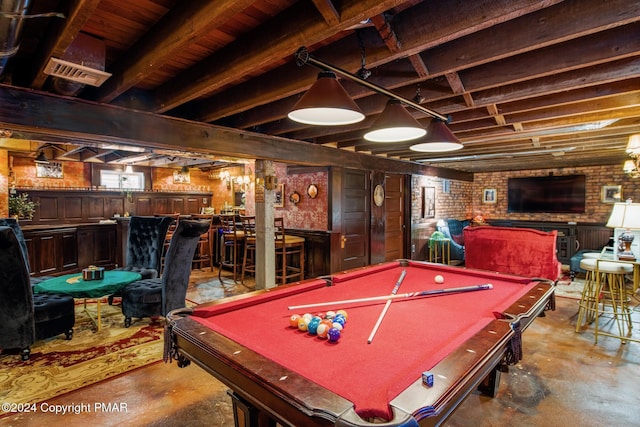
(595, 210)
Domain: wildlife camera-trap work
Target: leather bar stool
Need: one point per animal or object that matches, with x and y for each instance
(231, 241)
(249, 258)
(287, 247)
(204, 251)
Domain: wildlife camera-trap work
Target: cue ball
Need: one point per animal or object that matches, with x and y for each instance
(439, 279)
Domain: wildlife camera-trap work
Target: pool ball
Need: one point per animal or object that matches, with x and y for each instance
(303, 324)
(293, 320)
(339, 319)
(439, 279)
(312, 327)
(330, 315)
(343, 312)
(308, 316)
(322, 330)
(333, 334)
(337, 326)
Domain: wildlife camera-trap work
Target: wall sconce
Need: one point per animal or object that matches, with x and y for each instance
(632, 167)
(226, 178)
(242, 181)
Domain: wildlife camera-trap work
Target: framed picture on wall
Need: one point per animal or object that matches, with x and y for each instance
(489, 195)
(279, 202)
(180, 177)
(49, 170)
(428, 202)
(611, 193)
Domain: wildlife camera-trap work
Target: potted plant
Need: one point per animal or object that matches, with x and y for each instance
(21, 207)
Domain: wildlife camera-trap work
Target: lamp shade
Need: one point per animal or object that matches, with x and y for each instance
(395, 124)
(439, 139)
(633, 146)
(326, 103)
(41, 158)
(625, 215)
(629, 166)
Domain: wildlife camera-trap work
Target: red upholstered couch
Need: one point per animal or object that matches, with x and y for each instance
(520, 251)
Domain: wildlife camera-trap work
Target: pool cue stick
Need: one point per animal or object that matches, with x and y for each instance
(407, 295)
(386, 306)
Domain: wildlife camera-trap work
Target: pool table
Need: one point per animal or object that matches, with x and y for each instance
(279, 373)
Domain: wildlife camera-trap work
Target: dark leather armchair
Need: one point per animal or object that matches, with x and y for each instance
(156, 297)
(452, 229)
(15, 226)
(25, 317)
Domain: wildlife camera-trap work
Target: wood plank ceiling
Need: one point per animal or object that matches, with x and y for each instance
(528, 84)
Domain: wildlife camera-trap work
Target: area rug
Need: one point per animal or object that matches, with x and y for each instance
(57, 366)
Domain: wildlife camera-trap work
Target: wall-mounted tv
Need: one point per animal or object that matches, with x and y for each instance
(548, 194)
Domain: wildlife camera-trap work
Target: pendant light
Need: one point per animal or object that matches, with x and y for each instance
(439, 139)
(41, 158)
(395, 124)
(326, 103)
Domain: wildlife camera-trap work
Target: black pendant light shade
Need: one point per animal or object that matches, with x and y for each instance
(326, 103)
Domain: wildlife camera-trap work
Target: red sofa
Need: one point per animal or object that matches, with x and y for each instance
(520, 251)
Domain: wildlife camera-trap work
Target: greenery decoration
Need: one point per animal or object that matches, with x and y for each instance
(21, 206)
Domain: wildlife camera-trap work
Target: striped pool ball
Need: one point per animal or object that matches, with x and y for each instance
(322, 330)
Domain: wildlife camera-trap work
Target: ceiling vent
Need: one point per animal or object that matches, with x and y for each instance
(74, 72)
(81, 64)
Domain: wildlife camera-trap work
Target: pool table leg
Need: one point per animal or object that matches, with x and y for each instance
(489, 386)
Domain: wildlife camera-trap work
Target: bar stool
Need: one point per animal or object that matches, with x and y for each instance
(204, 250)
(288, 246)
(249, 258)
(231, 240)
(604, 285)
(614, 291)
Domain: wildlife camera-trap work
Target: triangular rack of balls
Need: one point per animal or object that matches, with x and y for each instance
(327, 325)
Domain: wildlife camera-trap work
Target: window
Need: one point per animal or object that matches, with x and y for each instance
(122, 180)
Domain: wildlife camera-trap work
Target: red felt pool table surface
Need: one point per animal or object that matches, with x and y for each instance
(415, 335)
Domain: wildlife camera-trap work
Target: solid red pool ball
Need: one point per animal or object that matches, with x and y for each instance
(293, 320)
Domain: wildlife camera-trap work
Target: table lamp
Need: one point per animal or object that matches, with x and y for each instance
(627, 216)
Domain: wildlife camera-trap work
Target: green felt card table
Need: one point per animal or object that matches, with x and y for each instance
(280, 373)
(75, 286)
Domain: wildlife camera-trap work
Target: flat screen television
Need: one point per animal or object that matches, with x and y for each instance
(548, 194)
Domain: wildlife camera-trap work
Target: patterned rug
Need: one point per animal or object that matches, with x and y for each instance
(57, 366)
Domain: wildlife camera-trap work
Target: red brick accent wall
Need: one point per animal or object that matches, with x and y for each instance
(596, 211)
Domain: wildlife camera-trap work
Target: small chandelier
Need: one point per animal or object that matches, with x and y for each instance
(632, 166)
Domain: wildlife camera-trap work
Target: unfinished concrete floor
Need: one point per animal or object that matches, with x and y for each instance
(564, 380)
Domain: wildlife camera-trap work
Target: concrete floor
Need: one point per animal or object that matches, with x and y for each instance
(564, 380)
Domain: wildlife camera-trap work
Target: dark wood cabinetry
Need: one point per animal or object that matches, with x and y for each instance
(66, 233)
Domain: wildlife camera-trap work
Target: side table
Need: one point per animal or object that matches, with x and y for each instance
(440, 251)
(75, 286)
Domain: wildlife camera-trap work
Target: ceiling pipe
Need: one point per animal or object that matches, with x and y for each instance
(11, 14)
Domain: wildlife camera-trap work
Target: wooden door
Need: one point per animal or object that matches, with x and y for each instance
(354, 218)
(394, 232)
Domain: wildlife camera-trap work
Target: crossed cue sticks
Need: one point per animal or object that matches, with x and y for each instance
(394, 295)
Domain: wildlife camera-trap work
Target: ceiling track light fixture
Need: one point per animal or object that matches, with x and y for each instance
(310, 112)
